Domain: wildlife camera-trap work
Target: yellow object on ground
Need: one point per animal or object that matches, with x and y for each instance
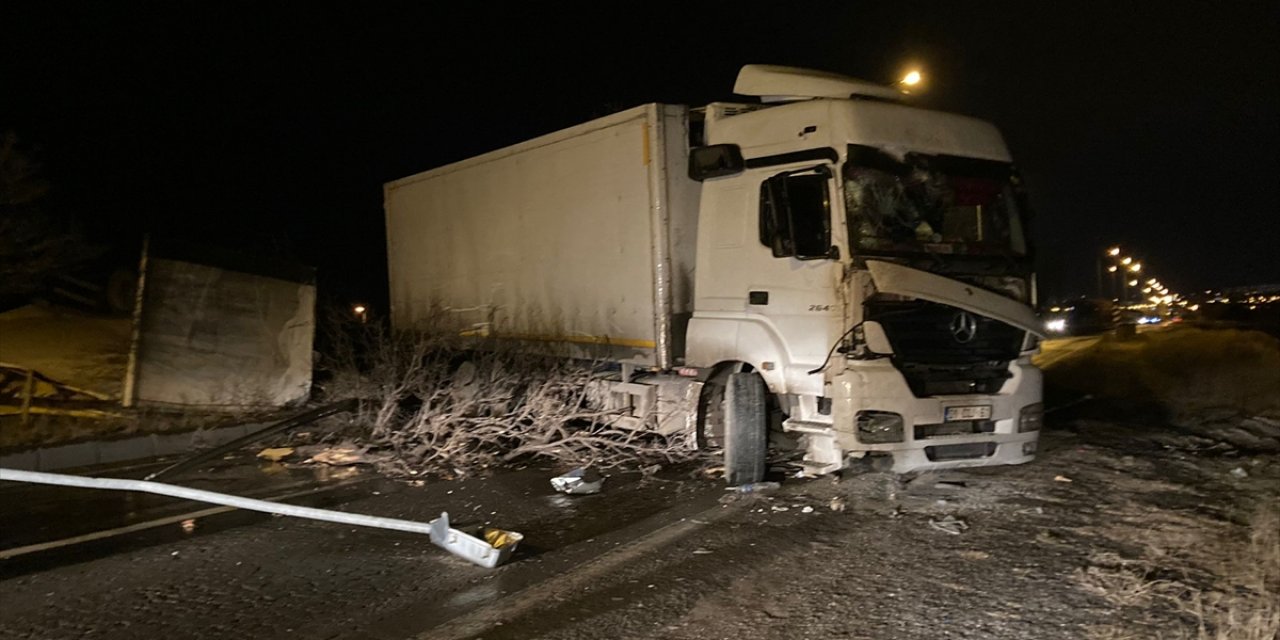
(275, 454)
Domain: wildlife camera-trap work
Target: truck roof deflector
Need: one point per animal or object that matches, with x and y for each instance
(774, 83)
(905, 281)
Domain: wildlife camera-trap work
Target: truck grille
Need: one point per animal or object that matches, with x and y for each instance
(968, 451)
(961, 428)
(937, 362)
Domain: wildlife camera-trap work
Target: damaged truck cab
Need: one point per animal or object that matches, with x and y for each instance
(864, 262)
(884, 290)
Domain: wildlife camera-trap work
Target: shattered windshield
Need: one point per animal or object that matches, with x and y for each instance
(931, 204)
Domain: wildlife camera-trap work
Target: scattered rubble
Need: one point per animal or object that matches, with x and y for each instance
(275, 454)
(755, 487)
(949, 524)
(580, 481)
(341, 455)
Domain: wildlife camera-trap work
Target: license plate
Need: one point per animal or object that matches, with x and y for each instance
(955, 414)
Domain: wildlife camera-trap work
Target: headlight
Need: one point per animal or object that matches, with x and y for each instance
(1031, 418)
(879, 427)
(1056, 325)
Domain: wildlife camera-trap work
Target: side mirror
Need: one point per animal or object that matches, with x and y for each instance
(715, 161)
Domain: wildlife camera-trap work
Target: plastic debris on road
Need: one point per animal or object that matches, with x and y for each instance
(754, 487)
(580, 481)
(949, 524)
(275, 454)
(1061, 479)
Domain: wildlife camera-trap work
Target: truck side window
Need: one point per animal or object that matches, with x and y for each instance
(795, 215)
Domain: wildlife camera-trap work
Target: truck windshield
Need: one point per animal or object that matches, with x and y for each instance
(932, 204)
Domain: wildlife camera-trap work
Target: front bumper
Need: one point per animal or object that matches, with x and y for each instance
(875, 385)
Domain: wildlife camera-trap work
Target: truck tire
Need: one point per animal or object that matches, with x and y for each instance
(746, 438)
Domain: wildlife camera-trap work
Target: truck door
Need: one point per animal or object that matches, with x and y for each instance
(766, 273)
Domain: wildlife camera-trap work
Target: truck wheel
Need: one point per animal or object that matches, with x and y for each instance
(711, 414)
(746, 438)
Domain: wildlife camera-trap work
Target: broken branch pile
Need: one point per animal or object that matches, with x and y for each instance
(440, 408)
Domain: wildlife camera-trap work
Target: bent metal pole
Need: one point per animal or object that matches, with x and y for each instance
(451, 540)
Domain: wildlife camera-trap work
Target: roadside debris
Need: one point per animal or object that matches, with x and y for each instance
(275, 454)
(837, 504)
(191, 462)
(950, 524)
(580, 481)
(497, 546)
(501, 538)
(1061, 479)
(1239, 473)
(754, 487)
(344, 454)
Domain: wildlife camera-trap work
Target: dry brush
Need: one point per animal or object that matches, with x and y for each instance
(445, 405)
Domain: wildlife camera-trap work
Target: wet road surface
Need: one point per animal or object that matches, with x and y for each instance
(232, 573)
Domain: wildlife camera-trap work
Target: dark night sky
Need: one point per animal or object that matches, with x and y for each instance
(269, 126)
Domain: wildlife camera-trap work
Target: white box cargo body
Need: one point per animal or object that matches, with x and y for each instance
(582, 237)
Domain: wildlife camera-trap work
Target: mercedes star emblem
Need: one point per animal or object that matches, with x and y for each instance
(964, 327)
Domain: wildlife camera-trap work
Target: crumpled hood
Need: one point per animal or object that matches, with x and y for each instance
(914, 283)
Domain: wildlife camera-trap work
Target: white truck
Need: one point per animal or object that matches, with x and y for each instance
(859, 266)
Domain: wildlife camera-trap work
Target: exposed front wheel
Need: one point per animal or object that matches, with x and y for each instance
(746, 433)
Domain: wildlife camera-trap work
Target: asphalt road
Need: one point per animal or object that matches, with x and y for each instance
(80, 563)
(979, 553)
(1056, 349)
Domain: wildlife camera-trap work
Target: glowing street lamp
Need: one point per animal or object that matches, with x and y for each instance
(911, 78)
(1126, 260)
(1111, 269)
(1135, 267)
(1113, 251)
